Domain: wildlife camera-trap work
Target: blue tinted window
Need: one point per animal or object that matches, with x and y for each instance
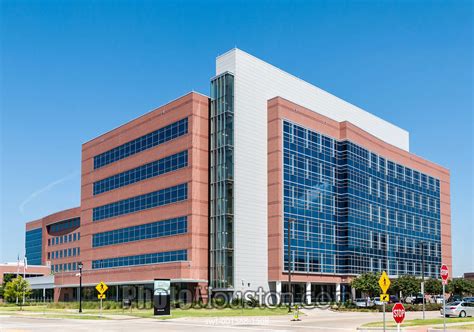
(153, 230)
(65, 225)
(162, 166)
(155, 258)
(33, 246)
(142, 202)
(147, 141)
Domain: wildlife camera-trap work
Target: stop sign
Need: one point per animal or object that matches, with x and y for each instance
(444, 274)
(398, 312)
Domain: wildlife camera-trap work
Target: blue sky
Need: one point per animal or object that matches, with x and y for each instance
(71, 70)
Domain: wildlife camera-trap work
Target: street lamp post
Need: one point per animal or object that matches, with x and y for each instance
(79, 265)
(290, 288)
(422, 244)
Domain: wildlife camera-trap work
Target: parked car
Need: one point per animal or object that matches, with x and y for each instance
(438, 299)
(458, 309)
(418, 299)
(409, 299)
(468, 299)
(377, 301)
(394, 299)
(364, 303)
(454, 298)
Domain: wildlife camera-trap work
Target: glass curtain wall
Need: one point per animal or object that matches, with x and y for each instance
(354, 211)
(222, 181)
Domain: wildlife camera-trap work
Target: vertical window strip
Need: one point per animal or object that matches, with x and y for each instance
(307, 168)
(292, 157)
(321, 232)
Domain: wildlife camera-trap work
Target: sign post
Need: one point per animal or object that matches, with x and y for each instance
(101, 288)
(161, 297)
(101, 297)
(444, 275)
(384, 283)
(398, 313)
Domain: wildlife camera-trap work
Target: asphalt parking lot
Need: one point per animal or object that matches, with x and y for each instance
(313, 320)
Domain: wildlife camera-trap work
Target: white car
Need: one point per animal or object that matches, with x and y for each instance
(458, 309)
(364, 303)
(438, 299)
(377, 301)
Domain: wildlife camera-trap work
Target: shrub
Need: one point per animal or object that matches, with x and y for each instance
(219, 302)
(106, 305)
(252, 302)
(413, 307)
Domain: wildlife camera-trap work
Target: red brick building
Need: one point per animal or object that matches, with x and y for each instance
(166, 148)
(205, 192)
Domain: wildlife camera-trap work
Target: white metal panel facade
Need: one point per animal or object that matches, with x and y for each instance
(255, 83)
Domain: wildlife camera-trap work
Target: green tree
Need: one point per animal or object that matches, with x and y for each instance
(407, 284)
(7, 277)
(460, 286)
(17, 288)
(433, 286)
(367, 283)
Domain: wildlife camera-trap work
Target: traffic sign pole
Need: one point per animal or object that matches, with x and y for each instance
(444, 272)
(444, 308)
(383, 316)
(384, 283)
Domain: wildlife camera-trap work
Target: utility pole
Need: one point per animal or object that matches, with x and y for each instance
(290, 221)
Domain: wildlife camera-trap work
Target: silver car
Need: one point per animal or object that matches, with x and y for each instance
(364, 303)
(377, 301)
(459, 309)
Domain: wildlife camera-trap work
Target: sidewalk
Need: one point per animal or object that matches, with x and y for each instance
(427, 328)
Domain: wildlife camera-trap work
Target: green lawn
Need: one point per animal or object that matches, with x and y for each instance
(144, 313)
(421, 322)
(65, 316)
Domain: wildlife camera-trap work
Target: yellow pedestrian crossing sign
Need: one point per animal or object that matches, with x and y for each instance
(101, 287)
(101, 296)
(384, 282)
(384, 297)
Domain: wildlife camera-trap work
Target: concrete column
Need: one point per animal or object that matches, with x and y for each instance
(44, 295)
(57, 294)
(353, 292)
(278, 287)
(201, 292)
(338, 292)
(308, 293)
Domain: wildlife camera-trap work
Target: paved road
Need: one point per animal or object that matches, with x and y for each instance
(314, 320)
